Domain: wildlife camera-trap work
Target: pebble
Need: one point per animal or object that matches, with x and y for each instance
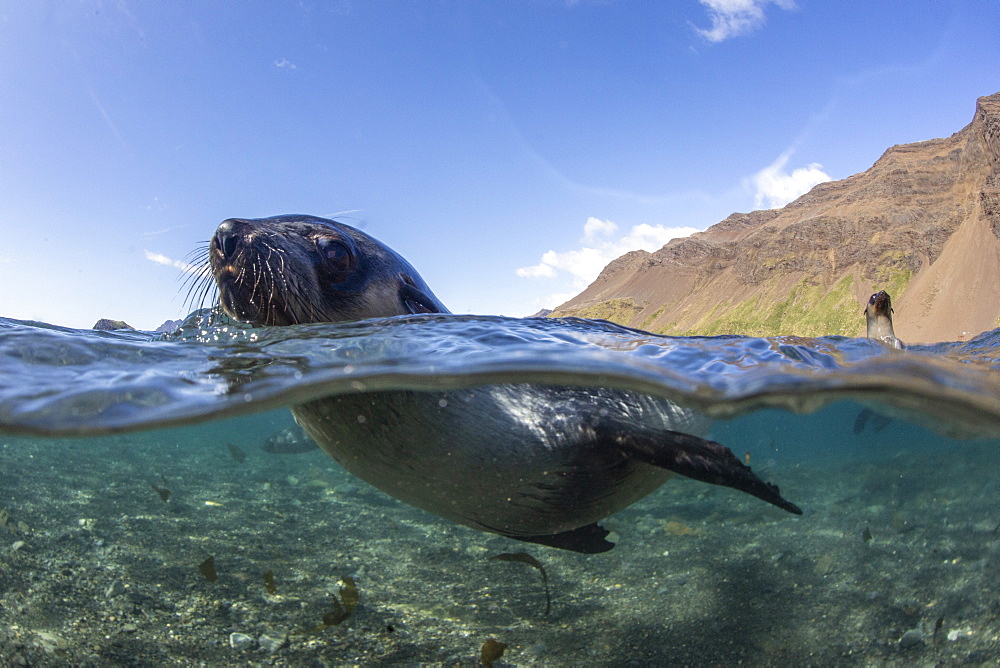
(17, 545)
(52, 643)
(117, 588)
(240, 641)
(911, 638)
(269, 644)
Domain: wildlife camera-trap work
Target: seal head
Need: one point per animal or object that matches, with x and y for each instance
(293, 269)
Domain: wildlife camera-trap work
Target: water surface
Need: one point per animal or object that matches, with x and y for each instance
(901, 528)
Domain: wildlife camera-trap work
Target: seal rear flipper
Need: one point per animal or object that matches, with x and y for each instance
(588, 539)
(700, 459)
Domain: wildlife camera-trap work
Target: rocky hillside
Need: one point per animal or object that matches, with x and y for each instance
(923, 223)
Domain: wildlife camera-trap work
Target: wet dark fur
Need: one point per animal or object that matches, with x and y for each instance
(535, 463)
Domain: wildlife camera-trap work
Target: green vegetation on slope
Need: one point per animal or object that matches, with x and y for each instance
(620, 311)
(808, 310)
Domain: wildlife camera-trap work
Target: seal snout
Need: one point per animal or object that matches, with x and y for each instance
(228, 235)
(879, 304)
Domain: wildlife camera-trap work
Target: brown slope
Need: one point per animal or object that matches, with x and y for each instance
(923, 223)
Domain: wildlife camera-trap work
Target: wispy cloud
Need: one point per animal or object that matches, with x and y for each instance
(107, 118)
(731, 18)
(186, 267)
(774, 187)
(165, 230)
(285, 64)
(598, 246)
(557, 176)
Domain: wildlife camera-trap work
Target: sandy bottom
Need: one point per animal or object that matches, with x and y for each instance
(895, 561)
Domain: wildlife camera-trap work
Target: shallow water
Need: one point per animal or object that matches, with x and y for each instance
(901, 526)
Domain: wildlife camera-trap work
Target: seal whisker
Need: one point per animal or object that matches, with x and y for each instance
(199, 280)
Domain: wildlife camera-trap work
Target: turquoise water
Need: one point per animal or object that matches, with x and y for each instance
(892, 455)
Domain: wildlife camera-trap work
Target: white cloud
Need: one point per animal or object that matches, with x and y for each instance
(598, 247)
(285, 64)
(774, 188)
(731, 18)
(186, 267)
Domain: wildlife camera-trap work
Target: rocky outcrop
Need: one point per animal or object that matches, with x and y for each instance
(108, 325)
(168, 326)
(923, 223)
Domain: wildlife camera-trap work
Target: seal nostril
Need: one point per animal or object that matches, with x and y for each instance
(228, 246)
(226, 238)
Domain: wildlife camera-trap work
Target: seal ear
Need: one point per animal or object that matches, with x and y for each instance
(414, 299)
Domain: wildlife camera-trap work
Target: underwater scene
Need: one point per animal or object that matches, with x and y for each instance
(160, 506)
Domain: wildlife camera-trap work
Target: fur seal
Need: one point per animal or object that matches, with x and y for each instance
(536, 463)
(878, 314)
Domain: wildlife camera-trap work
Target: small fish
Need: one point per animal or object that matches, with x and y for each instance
(866, 535)
(492, 651)
(207, 569)
(291, 441)
(237, 453)
(162, 491)
(866, 417)
(526, 558)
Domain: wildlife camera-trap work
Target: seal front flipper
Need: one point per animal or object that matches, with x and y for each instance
(697, 458)
(588, 539)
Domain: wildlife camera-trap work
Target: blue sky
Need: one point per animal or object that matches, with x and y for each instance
(508, 149)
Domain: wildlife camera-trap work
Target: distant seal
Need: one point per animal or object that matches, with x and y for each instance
(878, 314)
(535, 463)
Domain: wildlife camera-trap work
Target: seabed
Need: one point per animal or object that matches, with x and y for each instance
(895, 562)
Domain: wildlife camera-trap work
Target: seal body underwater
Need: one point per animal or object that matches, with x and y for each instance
(532, 462)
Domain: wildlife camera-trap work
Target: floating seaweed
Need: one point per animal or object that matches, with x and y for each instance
(526, 558)
(342, 608)
(492, 651)
(162, 491)
(349, 594)
(207, 569)
(335, 616)
(272, 587)
(237, 453)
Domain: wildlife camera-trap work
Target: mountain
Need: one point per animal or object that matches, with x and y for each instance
(923, 224)
(168, 326)
(109, 325)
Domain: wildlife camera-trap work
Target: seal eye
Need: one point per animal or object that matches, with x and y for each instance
(337, 257)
